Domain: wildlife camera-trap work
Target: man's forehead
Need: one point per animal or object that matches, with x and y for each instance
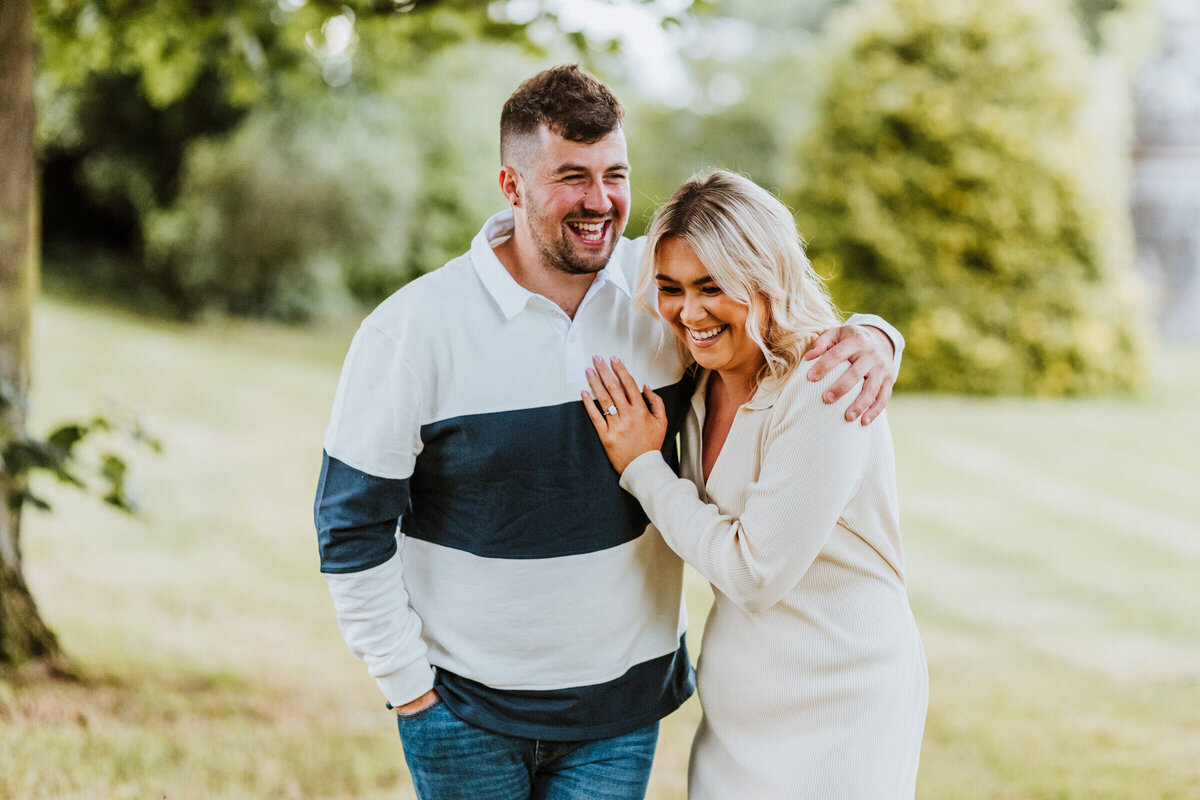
(557, 151)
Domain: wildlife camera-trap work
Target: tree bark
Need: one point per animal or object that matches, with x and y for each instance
(24, 637)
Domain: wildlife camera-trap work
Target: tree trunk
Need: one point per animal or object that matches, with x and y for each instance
(23, 635)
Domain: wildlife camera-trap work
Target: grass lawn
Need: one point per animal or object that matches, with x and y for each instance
(1053, 552)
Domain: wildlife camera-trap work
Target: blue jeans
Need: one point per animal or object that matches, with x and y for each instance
(450, 759)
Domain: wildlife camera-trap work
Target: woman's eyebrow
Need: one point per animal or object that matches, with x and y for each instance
(698, 282)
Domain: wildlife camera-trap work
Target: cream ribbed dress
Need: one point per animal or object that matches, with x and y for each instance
(811, 675)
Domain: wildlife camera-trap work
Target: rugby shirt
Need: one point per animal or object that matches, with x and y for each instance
(521, 582)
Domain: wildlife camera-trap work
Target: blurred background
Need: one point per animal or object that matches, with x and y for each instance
(216, 192)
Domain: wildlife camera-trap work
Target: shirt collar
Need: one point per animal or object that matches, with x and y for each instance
(764, 396)
(509, 295)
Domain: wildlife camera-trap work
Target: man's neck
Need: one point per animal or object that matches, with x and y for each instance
(564, 290)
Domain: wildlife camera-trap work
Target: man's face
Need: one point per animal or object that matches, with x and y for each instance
(575, 200)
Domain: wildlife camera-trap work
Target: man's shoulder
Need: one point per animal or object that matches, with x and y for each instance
(628, 257)
(426, 299)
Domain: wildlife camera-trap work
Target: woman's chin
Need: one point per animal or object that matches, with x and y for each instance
(704, 358)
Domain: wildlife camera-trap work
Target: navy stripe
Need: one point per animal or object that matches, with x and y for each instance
(646, 693)
(356, 515)
(529, 483)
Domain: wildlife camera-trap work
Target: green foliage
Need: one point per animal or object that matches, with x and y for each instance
(667, 146)
(952, 184)
(22, 455)
(309, 204)
(137, 96)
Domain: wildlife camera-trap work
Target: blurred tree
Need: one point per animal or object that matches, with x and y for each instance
(23, 635)
(168, 49)
(953, 185)
(747, 91)
(752, 66)
(118, 121)
(354, 193)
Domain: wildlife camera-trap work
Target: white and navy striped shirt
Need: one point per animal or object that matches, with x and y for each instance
(522, 582)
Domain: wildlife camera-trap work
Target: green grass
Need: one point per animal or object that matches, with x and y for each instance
(1053, 554)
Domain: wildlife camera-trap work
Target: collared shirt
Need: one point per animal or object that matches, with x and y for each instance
(524, 582)
(524, 574)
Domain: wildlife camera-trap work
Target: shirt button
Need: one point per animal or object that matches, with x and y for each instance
(571, 338)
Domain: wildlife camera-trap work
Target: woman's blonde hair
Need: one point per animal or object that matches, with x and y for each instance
(747, 240)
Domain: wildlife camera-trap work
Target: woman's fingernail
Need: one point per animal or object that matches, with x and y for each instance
(597, 359)
(591, 372)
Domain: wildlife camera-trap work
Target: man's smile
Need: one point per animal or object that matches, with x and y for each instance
(590, 233)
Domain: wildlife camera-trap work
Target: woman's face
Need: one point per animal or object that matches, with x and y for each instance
(711, 323)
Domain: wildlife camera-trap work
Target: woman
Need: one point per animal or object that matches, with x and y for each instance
(812, 675)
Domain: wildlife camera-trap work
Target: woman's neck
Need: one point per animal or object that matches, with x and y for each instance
(736, 387)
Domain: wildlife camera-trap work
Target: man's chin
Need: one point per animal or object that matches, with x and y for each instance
(579, 264)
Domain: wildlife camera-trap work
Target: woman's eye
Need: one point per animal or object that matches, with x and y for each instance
(670, 290)
(711, 290)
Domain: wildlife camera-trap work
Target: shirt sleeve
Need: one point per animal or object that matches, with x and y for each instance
(363, 492)
(888, 330)
(812, 466)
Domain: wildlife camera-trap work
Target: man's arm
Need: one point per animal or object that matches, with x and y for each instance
(874, 349)
(370, 450)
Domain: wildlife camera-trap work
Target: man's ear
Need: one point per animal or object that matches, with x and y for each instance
(510, 186)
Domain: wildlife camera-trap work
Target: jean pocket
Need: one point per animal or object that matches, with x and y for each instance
(424, 712)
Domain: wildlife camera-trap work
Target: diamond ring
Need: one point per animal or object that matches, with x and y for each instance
(610, 410)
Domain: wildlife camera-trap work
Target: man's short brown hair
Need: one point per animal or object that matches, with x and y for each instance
(568, 101)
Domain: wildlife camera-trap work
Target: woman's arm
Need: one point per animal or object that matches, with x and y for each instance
(812, 466)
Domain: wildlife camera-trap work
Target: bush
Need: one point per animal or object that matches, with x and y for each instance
(266, 217)
(310, 205)
(951, 184)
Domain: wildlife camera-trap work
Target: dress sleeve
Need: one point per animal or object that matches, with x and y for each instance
(363, 492)
(812, 466)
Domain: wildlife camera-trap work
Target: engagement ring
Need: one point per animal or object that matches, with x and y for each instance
(610, 410)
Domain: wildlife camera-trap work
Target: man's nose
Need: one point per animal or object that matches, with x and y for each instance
(596, 199)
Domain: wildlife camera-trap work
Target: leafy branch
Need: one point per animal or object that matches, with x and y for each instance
(60, 454)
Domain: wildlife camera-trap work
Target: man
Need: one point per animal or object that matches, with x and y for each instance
(527, 626)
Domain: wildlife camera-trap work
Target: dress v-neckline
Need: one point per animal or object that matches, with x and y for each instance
(700, 406)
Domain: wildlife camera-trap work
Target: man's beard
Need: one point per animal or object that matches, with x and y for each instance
(559, 254)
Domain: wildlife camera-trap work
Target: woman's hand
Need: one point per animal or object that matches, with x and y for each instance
(630, 421)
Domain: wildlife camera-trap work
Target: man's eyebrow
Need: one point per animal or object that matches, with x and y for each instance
(620, 166)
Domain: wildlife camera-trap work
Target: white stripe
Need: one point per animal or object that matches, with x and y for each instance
(551, 623)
